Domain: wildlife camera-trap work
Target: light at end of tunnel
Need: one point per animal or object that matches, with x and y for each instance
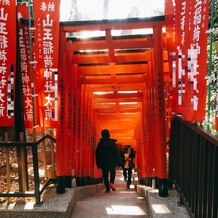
(123, 103)
(127, 92)
(160, 208)
(125, 210)
(102, 93)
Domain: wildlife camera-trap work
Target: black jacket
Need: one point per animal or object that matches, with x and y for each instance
(107, 154)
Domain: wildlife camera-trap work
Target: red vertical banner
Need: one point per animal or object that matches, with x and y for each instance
(191, 26)
(7, 61)
(179, 76)
(24, 45)
(46, 22)
(47, 32)
(169, 9)
(197, 57)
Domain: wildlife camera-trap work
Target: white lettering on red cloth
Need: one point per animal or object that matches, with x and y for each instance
(47, 41)
(7, 61)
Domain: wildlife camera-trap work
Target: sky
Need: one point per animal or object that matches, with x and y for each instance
(118, 9)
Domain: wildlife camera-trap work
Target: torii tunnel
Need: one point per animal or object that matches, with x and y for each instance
(116, 83)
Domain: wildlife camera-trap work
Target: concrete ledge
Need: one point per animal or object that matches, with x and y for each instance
(162, 206)
(54, 205)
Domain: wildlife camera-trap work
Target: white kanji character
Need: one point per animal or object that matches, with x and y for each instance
(198, 3)
(3, 54)
(48, 74)
(24, 64)
(47, 47)
(3, 16)
(49, 100)
(3, 82)
(28, 102)
(43, 7)
(47, 34)
(26, 91)
(48, 86)
(48, 60)
(25, 78)
(51, 6)
(2, 110)
(3, 42)
(3, 70)
(1, 96)
(197, 16)
(48, 22)
(5, 2)
(29, 115)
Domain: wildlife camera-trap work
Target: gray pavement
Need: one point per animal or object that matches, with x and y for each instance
(120, 203)
(91, 201)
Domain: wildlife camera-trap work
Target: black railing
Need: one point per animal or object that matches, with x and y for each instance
(193, 166)
(20, 148)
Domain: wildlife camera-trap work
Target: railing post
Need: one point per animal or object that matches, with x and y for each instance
(36, 173)
(7, 163)
(23, 164)
(44, 159)
(52, 160)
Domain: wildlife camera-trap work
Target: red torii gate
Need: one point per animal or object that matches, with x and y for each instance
(79, 124)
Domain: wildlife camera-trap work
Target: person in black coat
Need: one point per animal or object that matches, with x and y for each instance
(128, 164)
(107, 158)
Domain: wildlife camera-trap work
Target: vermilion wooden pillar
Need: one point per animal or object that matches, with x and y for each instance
(79, 148)
(139, 151)
(146, 132)
(77, 120)
(69, 112)
(82, 138)
(89, 141)
(74, 118)
(143, 153)
(97, 173)
(60, 147)
(92, 141)
(160, 154)
(151, 119)
(86, 156)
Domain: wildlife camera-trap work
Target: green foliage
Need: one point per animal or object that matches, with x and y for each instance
(214, 67)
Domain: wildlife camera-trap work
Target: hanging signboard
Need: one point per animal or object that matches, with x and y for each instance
(191, 63)
(25, 47)
(7, 61)
(46, 48)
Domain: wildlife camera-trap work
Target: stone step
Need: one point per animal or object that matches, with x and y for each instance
(162, 206)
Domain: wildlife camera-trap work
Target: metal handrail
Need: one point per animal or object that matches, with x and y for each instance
(193, 166)
(38, 191)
